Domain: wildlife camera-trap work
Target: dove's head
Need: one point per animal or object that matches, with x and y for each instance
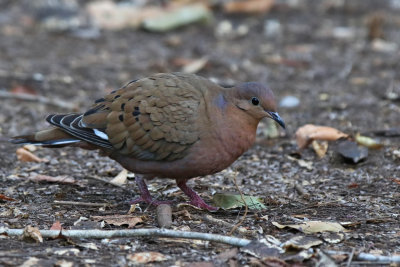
(257, 100)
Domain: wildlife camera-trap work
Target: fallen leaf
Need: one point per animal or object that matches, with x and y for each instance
(30, 262)
(67, 252)
(64, 263)
(259, 249)
(56, 226)
(174, 17)
(248, 6)
(353, 185)
(21, 89)
(30, 147)
(92, 246)
(230, 201)
(320, 148)
(332, 237)
(195, 65)
(302, 242)
(121, 178)
(113, 16)
(32, 233)
(184, 213)
(119, 220)
(4, 197)
(302, 163)
(368, 142)
(146, 257)
(309, 132)
(313, 226)
(57, 179)
(26, 156)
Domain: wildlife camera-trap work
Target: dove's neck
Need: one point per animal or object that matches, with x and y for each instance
(235, 130)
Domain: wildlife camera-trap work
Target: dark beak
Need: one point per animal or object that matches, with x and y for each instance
(275, 116)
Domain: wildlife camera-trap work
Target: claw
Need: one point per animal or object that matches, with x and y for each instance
(195, 199)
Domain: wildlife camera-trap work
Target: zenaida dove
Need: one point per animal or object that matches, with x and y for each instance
(175, 126)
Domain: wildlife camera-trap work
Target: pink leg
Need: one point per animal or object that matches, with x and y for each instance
(145, 194)
(195, 199)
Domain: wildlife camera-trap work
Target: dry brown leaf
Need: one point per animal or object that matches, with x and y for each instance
(248, 6)
(302, 242)
(367, 142)
(30, 262)
(32, 233)
(26, 156)
(4, 197)
(121, 178)
(119, 220)
(146, 257)
(56, 226)
(320, 148)
(310, 227)
(309, 132)
(58, 179)
(195, 65)
(22, 89)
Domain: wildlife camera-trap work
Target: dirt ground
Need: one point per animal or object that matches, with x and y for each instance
(340, 59)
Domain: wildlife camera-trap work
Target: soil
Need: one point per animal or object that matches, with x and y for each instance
(321, 54)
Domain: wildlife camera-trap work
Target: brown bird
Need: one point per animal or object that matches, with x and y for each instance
(175, 126)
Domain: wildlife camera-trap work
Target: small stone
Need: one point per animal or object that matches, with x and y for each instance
(289, 102)
(351, 152)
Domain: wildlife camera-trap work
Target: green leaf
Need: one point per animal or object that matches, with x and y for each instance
(231, 201)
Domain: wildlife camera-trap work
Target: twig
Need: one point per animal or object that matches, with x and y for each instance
(37, 98)
(245, 206)
(377, 258)
(350, 257)
(100, 234)
(368, 257)
(86, 204)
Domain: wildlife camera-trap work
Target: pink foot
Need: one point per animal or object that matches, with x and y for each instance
(195, 199)
(145, 194)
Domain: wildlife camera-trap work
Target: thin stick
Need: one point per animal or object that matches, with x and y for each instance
(100, 234)
(350, 257)
(245, 206)
(86, 204)
(211, 219)
(368, 257)
(37, 98)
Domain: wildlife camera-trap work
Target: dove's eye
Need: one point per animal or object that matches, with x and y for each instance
(255, 101)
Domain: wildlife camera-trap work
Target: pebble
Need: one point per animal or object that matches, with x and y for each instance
(289, 102)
